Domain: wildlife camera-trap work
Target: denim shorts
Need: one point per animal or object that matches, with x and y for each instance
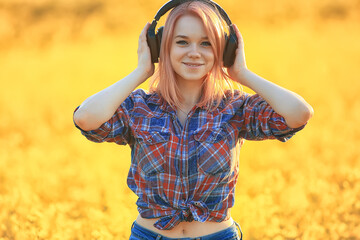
(231, 233)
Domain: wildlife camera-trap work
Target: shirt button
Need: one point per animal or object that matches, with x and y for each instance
(150, 140)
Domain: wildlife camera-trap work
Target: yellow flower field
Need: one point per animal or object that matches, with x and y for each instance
(55, 184)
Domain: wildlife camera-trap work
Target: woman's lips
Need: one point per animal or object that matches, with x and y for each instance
(193, 65)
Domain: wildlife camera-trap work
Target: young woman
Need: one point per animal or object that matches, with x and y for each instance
(185, 134)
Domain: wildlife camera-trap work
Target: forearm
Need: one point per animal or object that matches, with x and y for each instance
(290, 105)
(100, 107)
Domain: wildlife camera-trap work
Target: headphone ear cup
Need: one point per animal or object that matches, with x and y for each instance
(231, 45)
(152, 43)
(159, 38)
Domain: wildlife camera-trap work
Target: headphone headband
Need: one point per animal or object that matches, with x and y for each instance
(174, 3)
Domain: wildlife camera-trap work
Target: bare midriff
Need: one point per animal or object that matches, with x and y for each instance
(186, 229)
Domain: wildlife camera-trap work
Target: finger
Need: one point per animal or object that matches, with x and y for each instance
(238, 33)
(142, 37)
(240, 50)
(143, 47)
(144, 31)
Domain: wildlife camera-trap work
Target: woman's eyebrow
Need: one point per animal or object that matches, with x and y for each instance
(183, 36)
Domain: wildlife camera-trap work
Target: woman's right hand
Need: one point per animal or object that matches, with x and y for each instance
(144, 56)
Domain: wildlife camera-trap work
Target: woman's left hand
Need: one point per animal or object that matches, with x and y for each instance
(238, 69)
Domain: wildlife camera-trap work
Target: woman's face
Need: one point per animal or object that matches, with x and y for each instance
(191, 53)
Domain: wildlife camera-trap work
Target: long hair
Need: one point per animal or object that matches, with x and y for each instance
(217, 80)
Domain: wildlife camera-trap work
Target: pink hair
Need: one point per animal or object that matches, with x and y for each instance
(217, 81)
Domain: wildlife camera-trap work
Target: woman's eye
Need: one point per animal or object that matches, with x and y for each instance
(206, 43)
(182, 42)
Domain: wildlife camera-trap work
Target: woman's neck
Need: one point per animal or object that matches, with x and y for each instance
(190, 92)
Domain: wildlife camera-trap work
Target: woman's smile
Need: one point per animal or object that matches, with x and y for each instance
(194, 65)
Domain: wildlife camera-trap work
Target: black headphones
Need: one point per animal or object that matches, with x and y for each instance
(154, 40)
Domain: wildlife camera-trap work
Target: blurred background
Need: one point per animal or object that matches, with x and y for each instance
(55, 184)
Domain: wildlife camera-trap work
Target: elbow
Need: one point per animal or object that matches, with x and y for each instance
(306, 114)
(303, 115)
(310, 112)
(81, 120)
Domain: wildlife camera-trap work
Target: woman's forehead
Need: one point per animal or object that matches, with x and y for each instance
(189, 25)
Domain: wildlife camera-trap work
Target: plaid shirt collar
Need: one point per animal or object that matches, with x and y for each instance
(156, 99)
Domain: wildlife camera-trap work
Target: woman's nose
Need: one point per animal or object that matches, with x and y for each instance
(194, 51)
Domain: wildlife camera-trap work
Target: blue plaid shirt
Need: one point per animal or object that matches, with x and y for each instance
(186, 173)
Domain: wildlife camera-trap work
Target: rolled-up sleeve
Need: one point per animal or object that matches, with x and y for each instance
(261, 122)
(116, 129)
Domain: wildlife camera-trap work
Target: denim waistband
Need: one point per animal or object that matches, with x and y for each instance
(228, 233)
